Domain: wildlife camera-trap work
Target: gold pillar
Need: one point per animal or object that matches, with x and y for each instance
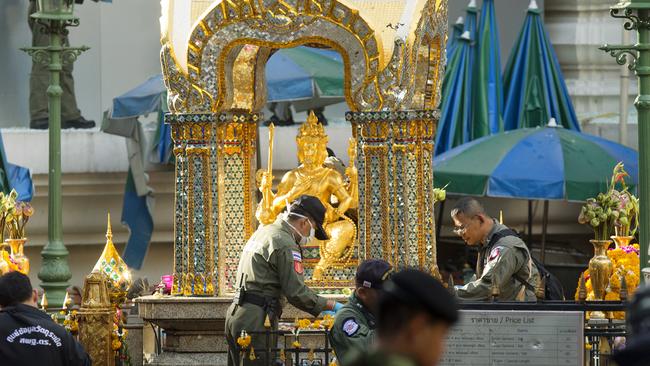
(195, 181)
(395, 163)
(96, 320)
(237, 191)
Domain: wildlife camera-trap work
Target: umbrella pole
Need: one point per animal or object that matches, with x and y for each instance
(544, 228)
(530, 224)
(439, 220)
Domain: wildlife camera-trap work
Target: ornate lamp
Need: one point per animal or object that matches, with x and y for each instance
(55, 10)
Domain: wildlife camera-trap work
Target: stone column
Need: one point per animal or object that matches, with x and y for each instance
(135, 338)
(96, 320)
(194, 149)
(236, 160)
(395, 163)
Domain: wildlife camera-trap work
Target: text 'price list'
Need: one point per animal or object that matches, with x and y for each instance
(532, 338)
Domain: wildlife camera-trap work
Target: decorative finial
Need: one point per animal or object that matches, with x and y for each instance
(495, 291)
(540, 290)
(466, 36)
(501, 217)
(267, 322)
(460, 20)
(533, 5)
(582, 289)
(552, 123)
(623, 293)
(472, 4)
(43, 302)
(109, 231)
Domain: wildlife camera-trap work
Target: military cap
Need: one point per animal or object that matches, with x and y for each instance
(312, 207)
(372, 273)
(420, 289)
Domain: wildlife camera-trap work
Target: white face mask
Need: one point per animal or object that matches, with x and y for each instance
(303, 239)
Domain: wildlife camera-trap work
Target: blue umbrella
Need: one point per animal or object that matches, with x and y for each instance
(456, 98)
(456, 31)
(308, 77)
(534, 87)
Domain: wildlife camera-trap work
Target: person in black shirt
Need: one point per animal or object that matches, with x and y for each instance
(28, 336)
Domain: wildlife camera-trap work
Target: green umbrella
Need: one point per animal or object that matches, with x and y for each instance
(545, 163)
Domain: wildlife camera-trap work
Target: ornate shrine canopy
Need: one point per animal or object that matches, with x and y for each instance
(391, 49)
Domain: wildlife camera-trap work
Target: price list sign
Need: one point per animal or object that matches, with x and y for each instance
(531, 338)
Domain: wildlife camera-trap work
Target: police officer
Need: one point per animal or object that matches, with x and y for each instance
(39, 81)
(503, 258)
(271, 266)
(28, 336)
(414, 315)
(354, 326)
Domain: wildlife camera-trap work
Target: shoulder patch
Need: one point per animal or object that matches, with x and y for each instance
(296, 256)
(350, 327)
(495, 253)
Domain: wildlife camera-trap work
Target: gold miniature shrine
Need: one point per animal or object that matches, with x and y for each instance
(213, 58)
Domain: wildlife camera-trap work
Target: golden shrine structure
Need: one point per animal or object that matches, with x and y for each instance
(393, 56)
(213, 59)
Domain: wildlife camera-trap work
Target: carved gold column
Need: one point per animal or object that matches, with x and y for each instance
(96, 320)
(236, 163)
(395, 163)
(194, 218)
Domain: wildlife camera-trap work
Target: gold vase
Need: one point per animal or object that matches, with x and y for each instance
(17, 254)
(622, 241)
(600, 268)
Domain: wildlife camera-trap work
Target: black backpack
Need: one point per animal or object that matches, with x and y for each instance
(553, 289)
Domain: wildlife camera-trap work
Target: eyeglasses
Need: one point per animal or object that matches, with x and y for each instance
(460, 230)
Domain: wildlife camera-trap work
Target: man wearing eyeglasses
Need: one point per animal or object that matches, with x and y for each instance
(503, 258)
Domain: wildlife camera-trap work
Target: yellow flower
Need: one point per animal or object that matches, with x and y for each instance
(116, 344)
(244, 341)
(303, 323)
(316, 324)
(296, 344)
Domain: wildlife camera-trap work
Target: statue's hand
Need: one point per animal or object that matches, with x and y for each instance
(264, 216)
(352, 173)
(266, 180)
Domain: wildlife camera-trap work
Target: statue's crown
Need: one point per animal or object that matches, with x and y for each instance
(311, 128)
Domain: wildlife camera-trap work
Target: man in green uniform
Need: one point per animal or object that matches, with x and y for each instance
(354, 326)
(503, 258)
(270, 267)
(414, 316)
(39, 81)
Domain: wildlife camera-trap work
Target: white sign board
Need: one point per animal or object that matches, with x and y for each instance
(531, 338)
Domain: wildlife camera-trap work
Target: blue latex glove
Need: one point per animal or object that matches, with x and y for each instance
(337, 307)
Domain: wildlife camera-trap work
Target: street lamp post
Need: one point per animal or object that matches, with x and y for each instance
(637, 56)
(55, 16)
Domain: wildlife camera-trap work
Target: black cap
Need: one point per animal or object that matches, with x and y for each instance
(372, 273)
(420, 289)
(312, 207)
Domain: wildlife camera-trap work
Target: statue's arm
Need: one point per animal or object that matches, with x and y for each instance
(285, 193)
(346, 201)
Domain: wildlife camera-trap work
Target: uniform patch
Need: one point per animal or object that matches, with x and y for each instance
(495, 253)
(296, 256)
(297, 266)
(350, 327)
